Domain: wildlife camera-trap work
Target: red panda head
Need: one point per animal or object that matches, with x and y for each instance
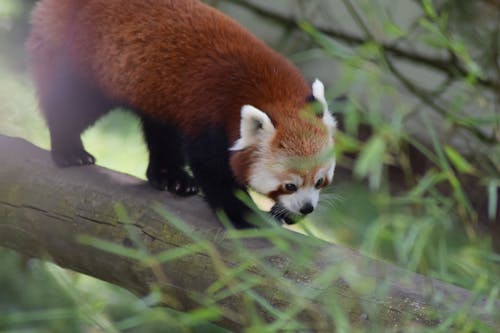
(289, 160)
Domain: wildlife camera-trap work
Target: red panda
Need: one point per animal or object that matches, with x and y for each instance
(210, 95)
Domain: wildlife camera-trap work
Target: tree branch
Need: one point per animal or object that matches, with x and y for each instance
(448, 66)
(45, 212)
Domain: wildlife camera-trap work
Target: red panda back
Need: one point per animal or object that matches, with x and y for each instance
(209, 95)
(177, 59)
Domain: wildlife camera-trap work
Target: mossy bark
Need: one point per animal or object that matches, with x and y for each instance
(45, 212)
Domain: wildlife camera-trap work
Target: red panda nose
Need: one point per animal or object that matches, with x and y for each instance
(307, 208)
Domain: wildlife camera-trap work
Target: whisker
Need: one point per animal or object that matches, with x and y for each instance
(331, 198)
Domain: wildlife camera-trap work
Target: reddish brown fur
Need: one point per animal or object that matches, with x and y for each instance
(51, 21)
(242, 162)
(182, 61)
(177, 59)
(300, 136)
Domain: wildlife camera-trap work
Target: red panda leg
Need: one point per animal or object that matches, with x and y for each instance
(209, 160)
(70, 105)
(167, 163)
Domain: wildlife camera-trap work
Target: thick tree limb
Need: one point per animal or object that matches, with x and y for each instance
(44, 211)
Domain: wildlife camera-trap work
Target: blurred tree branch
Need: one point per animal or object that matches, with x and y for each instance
(69, 216)
(450, 66)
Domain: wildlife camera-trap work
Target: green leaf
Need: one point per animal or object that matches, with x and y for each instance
(458, 160)
(345, 143)
(434, 36)
(429, 8)
(370, 161)
(492, 199)
(113, 248)
(392, 30)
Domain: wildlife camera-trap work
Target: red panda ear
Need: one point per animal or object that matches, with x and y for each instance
(318, 91)
(255, 126)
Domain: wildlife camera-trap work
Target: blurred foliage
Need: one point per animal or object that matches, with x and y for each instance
(41, 297)
(430, 81)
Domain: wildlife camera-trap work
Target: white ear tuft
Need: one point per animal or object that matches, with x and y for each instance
(255, 126)
(318, 90)
(330, 122)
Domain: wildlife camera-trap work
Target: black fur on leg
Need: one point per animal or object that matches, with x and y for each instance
(209, 160)
(166, 169)
(70, 105)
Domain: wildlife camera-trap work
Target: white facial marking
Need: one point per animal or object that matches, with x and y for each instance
(255, 127)
(318, 90)
(295, 179)
(295, 201)
(262, 179)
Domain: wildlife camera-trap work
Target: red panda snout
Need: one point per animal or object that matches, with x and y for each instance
(300, 189)
(303, 201)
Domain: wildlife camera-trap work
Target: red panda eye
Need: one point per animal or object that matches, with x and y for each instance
(291, 187)
(319, 182)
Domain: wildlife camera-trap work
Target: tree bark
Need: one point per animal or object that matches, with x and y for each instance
(45, 211)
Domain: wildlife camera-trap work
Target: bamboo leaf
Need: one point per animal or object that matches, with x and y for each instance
(458, 161)
(370, 161)
(429, 8)
(492, 199)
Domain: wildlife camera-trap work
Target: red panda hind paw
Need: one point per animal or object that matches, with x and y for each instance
(72, 158)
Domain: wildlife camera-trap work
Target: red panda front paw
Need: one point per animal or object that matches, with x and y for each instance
(77, 157)
(283, 215)
(183, 185)
(179, 182)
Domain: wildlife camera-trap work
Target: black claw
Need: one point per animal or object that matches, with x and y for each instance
(179, 182)
(72, 158)
(174, 186)
(89, 160)
(185, 185)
